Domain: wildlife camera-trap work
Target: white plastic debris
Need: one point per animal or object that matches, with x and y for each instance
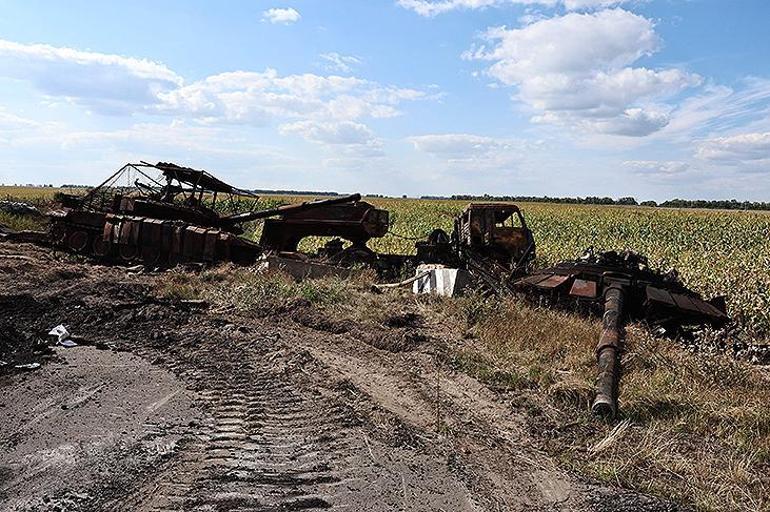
(447, 282)
(60, 332)
(28, 366)
(62, 336)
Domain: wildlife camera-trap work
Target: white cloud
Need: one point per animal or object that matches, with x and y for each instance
(469, 151)
(257, 98)
(103, 82)
(10, 121)
(278, 15)
(741, 148)
(339, 63)
(346, 132)
(458, 144)
(633, 122)
(657, 168)
(13, 126)
(351, 138)
(576, 70)
(721, 109)
(435, 7)
(122, 85)
(576, 5)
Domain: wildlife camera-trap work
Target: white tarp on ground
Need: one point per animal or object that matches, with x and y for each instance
(447, 282)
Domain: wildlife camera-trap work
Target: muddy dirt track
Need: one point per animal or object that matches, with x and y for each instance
(165, 406)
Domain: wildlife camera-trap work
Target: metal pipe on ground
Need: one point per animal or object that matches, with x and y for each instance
(608, 353)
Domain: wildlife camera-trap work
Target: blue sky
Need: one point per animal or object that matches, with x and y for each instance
(651, 98)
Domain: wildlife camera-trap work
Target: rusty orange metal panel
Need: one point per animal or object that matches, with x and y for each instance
(167, 236)
(125, 231)
(533, 280)
(224, 245)
(583, 288)
(151, 232)
(107, 231)
(176, 240)
(210, 244)
(554, 281)
(136, 227)
(194, 240)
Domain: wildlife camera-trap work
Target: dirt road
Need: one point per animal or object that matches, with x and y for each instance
(165, 406)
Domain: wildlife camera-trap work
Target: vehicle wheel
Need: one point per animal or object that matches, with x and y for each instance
(100, 247)
(128, 252)
(150, 255)
(59, 234)
(77, 241)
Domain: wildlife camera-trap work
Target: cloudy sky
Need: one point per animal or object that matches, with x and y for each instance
(651, 98)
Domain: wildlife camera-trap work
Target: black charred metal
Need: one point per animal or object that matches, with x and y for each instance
(623, 287)
(173, 219)
(490, 240)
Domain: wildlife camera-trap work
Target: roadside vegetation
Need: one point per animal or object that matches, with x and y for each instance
(694, 427)
(21, 222)
(716, 252)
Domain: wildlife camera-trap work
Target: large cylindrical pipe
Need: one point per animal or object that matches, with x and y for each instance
(608, 353)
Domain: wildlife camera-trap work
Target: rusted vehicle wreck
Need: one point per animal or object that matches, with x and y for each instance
(623, 287)
(176, 220)
(174, 217)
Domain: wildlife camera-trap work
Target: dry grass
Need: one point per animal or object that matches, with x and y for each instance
(247, 290)
(22, 222)
(694, 428)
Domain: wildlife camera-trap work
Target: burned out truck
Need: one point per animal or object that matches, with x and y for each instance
(490, 240)
(173, 218)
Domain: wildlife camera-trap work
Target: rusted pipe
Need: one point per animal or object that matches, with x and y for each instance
(608, 353)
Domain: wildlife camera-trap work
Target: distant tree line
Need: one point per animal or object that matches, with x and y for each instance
(730, 204)
(266, 192)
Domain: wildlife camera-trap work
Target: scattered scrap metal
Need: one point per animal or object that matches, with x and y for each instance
(627, 289)
(172, 219)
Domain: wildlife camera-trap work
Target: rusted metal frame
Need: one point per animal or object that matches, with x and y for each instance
(527, 252)
(146, 175)
(87, 198)
(291, 208)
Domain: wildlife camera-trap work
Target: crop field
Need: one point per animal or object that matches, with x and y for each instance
(715, 252)
(694, 426)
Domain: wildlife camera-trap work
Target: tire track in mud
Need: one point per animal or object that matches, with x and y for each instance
(321, 418)
(264, 445)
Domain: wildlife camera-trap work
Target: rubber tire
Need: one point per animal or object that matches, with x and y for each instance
(128, 253)
(77, 240)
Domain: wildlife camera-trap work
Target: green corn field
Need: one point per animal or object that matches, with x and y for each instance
(715, 252)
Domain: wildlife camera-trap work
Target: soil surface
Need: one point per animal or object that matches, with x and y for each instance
(168, 406)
